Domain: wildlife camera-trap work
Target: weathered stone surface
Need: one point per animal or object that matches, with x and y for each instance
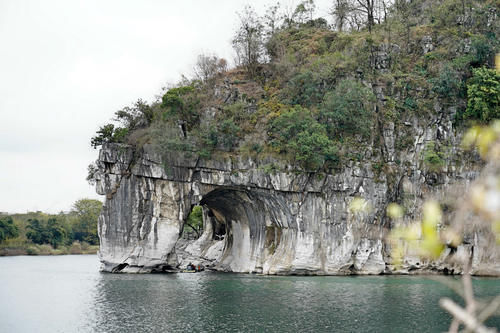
(279, 223)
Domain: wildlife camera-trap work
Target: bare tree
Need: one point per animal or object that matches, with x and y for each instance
(367, 8)
(208, 67)
(272, 19)
(305, 11)
(359, 13)
(341, 11)
(403, 10)
(288, 15)
(248, 41)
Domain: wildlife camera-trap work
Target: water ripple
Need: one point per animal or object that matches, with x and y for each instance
(68, 294)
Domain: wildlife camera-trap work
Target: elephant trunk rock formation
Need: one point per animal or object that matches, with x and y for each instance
(285, 222)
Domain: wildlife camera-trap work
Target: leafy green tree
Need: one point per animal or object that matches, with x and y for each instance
(182, 104)
(50, 232)
(56, 231)
(36, 231)
(195, 221)
(229, 133)
(296, 132)
(7, 228)
(140, 114)
(448, 83)
(483, 95)
(306, 88)
(103, 135)
(84, 226)
(313, 147)
(109, 133)
(348, 110)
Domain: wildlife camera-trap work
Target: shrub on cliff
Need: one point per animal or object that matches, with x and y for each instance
(166, 136)
(140, 114)
(109, 133)
(305, 89)
(433, 158)
(483, 95)
(181, 104)
(297, 133)
(348, 109)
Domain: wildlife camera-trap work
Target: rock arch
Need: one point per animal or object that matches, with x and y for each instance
(254, 223)
(286, 222)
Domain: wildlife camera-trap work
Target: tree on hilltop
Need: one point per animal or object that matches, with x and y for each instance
(248, 41)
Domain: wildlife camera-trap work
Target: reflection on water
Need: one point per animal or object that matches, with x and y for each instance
(68, 294)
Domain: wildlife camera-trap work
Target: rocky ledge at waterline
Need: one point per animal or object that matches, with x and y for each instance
(280, 222)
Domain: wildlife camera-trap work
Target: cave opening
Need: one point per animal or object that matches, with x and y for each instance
(239, 227)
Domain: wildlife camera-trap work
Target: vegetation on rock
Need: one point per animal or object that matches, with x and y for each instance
(194, 222)
(320, 95)
(483, 92)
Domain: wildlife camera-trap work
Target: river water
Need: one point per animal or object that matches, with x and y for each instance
(68, 294)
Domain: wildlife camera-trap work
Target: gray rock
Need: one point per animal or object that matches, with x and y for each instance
(427, 45)
(280, 223)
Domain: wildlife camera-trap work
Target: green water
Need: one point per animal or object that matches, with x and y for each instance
(68, 294)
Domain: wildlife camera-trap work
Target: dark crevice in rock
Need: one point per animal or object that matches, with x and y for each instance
(119, 268)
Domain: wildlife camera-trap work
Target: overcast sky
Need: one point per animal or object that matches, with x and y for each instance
(66, 66)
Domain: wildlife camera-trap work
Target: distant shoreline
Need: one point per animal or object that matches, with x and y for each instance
(46, 249)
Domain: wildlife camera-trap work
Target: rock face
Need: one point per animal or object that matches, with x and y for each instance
(283, 222)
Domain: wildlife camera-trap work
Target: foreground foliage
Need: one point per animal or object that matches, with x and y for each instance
(477, 210)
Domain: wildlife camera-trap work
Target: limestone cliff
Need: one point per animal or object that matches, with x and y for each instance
(286, 222)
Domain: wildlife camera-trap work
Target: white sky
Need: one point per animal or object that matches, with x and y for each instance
(66, 66)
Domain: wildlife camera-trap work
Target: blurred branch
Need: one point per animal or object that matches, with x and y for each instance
(463, 316)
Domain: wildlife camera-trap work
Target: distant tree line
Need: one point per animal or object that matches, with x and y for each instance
(63, 229)
(7, 228)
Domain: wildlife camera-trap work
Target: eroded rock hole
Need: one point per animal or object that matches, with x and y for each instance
(119, 268)
(239, 231)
